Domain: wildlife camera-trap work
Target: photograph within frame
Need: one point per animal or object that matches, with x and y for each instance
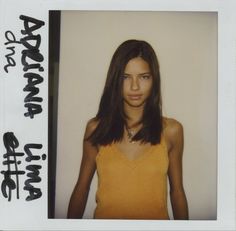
(53, 174)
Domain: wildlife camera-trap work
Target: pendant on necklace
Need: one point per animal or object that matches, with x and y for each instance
(130, 135)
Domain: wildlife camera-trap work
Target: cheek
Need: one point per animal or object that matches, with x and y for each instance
(125, 87)
(123, 93)
(148, 87)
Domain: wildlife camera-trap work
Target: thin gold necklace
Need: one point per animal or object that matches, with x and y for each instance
(130, 135)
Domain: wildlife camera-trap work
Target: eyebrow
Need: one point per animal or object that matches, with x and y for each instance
(145, 73)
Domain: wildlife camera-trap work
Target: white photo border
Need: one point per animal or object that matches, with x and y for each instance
(226, 113)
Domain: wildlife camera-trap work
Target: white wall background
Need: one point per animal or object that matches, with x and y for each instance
(186, 46)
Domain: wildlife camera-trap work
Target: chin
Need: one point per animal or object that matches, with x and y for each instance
(135, 104)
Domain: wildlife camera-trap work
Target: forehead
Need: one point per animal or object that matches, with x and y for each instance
(137, 65)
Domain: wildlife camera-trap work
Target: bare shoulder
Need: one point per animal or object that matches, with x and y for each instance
(173, 131)
(91, 126)
(172, 126)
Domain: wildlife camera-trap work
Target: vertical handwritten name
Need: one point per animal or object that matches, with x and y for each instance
(31, 60)
(33, 174)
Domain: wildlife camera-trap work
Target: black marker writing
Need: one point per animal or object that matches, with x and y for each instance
(31, 60)
(11, 143)
(33, 174)
(32, 51)
(33, 108)
(11, 39)
(34, 193)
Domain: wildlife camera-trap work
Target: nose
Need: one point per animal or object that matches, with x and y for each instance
(134, 84)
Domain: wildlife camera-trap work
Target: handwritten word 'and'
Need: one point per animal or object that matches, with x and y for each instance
(12, 174)
(31, 59)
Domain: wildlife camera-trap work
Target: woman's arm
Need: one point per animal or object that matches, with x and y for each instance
(80, 193)
(175, 137)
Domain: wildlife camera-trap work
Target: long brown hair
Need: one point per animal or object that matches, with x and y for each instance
(111, 116)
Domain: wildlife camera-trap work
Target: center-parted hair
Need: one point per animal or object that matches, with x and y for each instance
(111, 116)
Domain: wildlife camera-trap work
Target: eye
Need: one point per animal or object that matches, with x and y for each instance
(145, 76)
(126, 76)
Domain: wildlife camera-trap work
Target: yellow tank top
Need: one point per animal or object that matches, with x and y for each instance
(132, 189)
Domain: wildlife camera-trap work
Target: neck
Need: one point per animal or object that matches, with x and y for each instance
(134, 114)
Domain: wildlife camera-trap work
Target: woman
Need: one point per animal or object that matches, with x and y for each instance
(133, 148)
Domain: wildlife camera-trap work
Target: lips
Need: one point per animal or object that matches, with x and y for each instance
(135, 97)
